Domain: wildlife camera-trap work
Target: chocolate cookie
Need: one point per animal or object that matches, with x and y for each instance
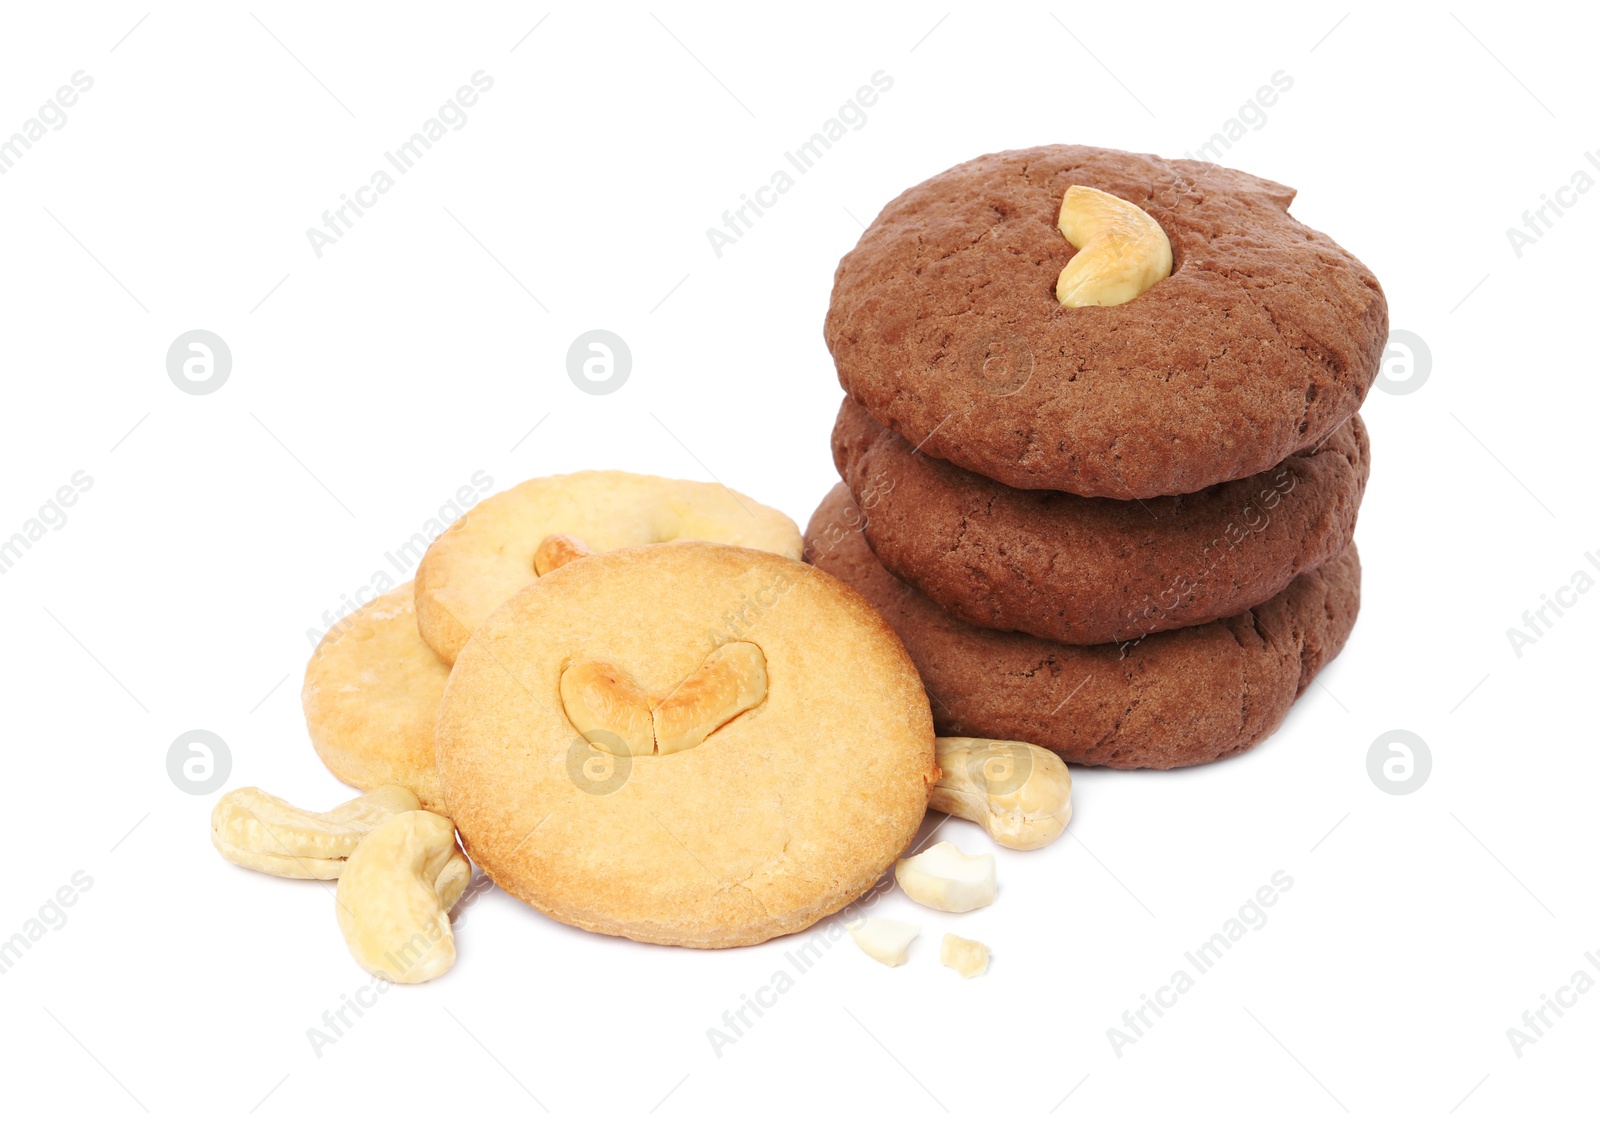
(1167, 700)
(1092, 569)
(944, 324)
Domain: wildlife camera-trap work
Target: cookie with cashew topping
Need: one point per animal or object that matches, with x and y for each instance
(371, 693)
(1104, 323)
(510, 539)
(777, 752)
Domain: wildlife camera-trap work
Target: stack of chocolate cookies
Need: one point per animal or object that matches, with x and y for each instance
(1121, 531)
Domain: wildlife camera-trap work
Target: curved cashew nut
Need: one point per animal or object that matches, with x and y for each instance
(611, 711)
(1020, 792)
(263, 832)
(558, 550)
(731, 681)
(608, 707)
(395, 896)
(1121, 250)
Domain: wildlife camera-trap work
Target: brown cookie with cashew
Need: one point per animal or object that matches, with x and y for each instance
(1174, 699)
(510, 539)
(1085, 570)
(690, 744)
(945, 324)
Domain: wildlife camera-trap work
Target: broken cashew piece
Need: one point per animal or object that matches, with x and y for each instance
(607, 707)
(885, 940)
(1121, 250)
(966, 956)
(945, 878)
(263, 832)
(395, 896)
(1020, 792)
(558, 550)
(731, 681)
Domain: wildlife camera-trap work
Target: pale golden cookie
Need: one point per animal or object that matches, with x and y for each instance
(371, 692)
(488, 555)
(786, 813)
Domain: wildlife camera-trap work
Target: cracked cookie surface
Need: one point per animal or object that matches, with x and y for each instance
(1086, 570)
(1175, 699)
(944, 324)
(785, 813)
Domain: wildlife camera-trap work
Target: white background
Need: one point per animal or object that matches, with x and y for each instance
(369, 384)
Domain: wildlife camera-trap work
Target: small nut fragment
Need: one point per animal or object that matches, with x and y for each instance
(558, 550)
(395, 896)
(731, 681)
(607, 707)
(967, 956)
(1121, 250)
(945, 878)
(1020, 792)
(885, 940)
(263, 832)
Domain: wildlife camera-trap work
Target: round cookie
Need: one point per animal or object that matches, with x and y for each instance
(371, 695)
(783, 814)
(1167, 700)
(487, 556)
(1084, 570)
(944, 324)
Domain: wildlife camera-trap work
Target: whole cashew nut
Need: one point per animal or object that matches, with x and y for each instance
(1021, 793)
(395, 896)
(731, 681)
(263, 832)
(1121, 250)
(558, 550)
